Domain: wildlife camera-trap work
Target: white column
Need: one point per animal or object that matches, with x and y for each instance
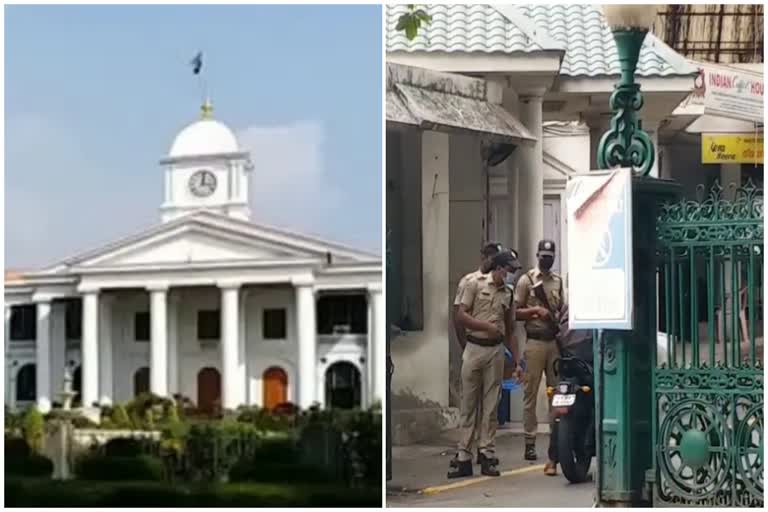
(58, 347)
(106, 376)
(43, 353)
(173, 344)
(377, 361)
(231, 387)
(530, 181)
(242, 345)
(90, 348)
(158, 348)
(306, 331)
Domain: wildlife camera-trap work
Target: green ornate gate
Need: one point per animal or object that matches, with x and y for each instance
(708, 376)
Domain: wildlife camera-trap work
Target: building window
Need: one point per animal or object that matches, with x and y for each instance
(209, 324)
(74, 319)
(24, 323)
(274, 324)
(342, 314)
(141, 326)
(141, 381)
(26, 383)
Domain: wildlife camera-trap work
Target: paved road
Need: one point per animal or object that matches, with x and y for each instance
(523, 490)
(522, 484)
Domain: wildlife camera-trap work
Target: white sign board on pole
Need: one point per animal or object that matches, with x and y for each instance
(600, 290)
(729, 92)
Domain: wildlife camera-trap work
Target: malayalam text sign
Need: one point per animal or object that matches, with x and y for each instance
(599, 208)
(739, 148)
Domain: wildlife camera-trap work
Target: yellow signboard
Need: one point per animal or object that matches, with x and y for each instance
(736, 148)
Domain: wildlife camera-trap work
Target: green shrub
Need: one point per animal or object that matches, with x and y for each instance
(83, 422)
(276, 471)
(33, 466)
(16, 448)
(122, 447)
(120, 417)
(108, 468)
(34, 429)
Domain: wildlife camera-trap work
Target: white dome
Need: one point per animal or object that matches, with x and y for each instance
(204, 137)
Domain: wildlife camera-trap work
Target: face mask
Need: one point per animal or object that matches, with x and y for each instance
(512, 277)
(546, 262)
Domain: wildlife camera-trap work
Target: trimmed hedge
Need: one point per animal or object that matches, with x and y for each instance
(33, 465)
(275, 471)
(16, 448)
(101, 468)
(122, 447)
(74, 493)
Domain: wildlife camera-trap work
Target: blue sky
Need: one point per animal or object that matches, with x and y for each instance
(94, 96)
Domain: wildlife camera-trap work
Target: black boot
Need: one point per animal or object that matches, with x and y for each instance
(488, 466)
(482, 456)
(530, 452)
(461, 469)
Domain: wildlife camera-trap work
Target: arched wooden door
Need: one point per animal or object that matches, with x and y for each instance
(343, 388)
(141, 381)
(208, 390)
(275, 387)
(26, 383)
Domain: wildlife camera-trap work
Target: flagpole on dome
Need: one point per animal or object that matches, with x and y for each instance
(206, 107)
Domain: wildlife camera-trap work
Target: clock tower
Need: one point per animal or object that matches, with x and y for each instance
(205, 169)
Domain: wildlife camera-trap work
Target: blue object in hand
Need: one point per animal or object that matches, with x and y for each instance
(509, 384)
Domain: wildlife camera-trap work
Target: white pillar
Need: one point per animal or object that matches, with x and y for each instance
(43, 352)
(173, 344)
(106, 376)
(306, 330)
(377, 361)
(242, 352)
(158, 349)
(90, 348)
(231, 387)
(58, 347)
(530, 194)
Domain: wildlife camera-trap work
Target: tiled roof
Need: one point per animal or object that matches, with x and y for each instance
(578, 28)
(466, 28)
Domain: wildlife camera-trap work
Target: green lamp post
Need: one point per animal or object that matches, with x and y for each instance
(625, 358)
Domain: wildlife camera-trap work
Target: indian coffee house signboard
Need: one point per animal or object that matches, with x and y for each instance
(734, 148)
(599, 213)
(729, 92)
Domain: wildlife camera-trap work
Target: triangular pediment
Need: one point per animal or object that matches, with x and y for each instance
(207, 237)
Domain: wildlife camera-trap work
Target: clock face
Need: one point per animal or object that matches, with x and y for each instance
(202, 183)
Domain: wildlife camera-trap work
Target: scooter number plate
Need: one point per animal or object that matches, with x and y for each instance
(563, 400)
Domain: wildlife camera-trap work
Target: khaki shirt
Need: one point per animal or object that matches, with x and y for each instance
(486, 302)
(525, 297)
(463, 283)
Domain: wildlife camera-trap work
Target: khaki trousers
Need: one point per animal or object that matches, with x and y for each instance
(482, 369)
(540, 356)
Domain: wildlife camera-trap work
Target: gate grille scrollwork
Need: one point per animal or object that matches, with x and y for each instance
(708, 376)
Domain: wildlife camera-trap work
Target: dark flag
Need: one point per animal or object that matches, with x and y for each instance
(197, 63)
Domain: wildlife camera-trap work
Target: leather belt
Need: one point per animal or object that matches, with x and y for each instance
(484, 342)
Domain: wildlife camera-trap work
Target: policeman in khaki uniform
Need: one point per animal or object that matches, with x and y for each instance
(541, 327)
(490, 249)
(488, 315)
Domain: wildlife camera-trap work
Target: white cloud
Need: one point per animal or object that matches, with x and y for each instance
(289, 187)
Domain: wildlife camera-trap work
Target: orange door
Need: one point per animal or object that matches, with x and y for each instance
(275, 387)
(208, 389)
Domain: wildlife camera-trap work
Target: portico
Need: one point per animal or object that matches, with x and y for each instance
(206, 304)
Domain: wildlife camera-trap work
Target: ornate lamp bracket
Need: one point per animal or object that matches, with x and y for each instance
(625, 144)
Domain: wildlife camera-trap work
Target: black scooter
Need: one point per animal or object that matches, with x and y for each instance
(573, 406)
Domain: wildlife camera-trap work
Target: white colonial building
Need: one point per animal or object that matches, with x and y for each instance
(206, 304)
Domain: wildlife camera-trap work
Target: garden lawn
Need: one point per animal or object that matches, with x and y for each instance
(82, 493)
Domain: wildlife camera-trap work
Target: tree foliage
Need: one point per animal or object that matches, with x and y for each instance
(411, 21)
